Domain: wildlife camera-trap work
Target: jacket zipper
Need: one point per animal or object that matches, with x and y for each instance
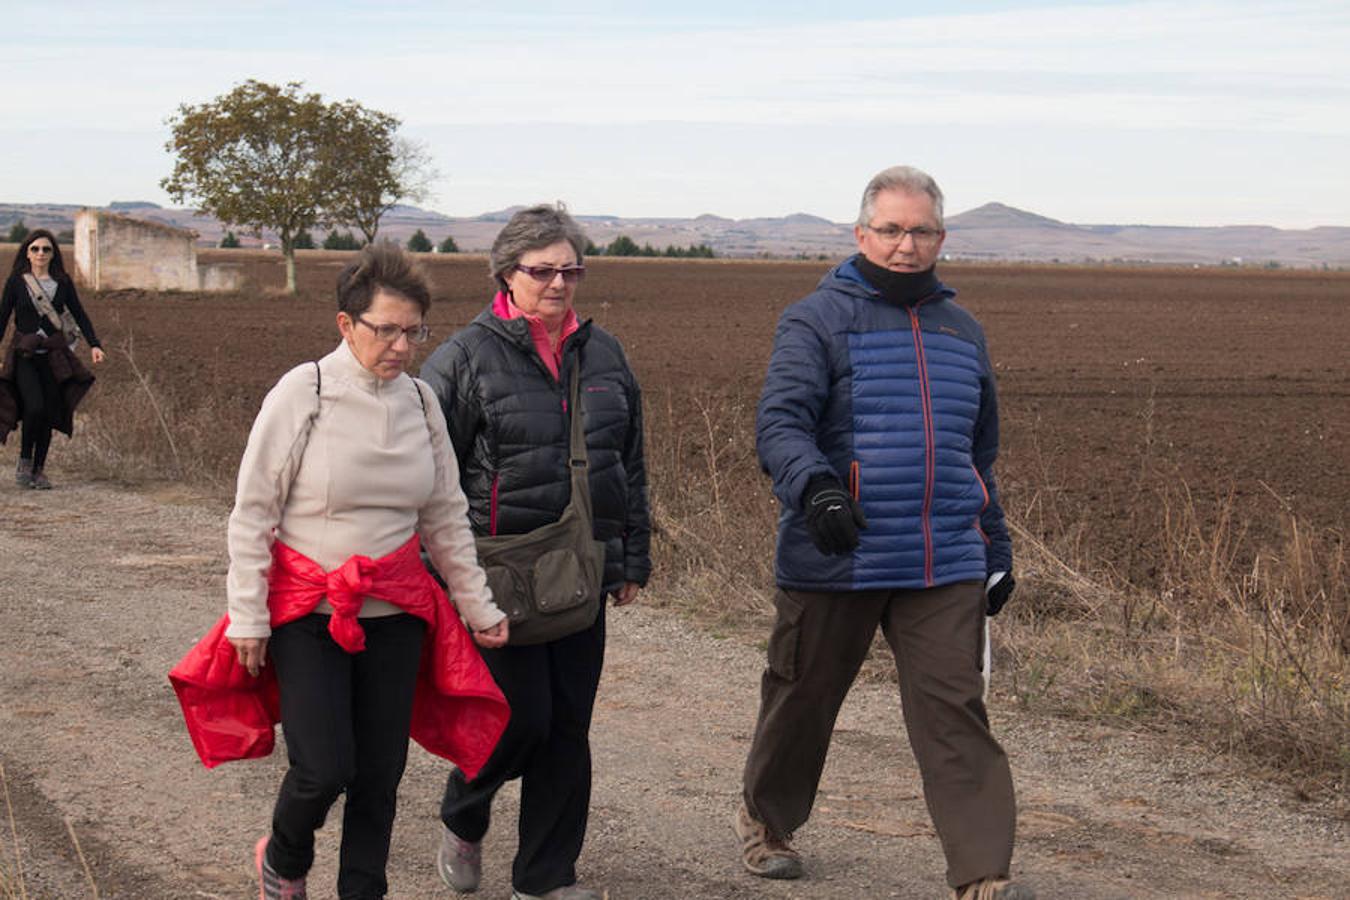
(984, 490)
(928, 449)
(492, 504)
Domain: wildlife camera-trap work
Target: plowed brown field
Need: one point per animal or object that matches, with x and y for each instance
(1233, 382)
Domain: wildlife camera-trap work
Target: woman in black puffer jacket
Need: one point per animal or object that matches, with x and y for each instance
(502, 383)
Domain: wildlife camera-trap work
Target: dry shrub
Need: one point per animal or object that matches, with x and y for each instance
(148, 429)
(1182, 619)
(1245, 644)
(713, 513)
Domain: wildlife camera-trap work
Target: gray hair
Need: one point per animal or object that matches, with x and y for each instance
(899, 178)
(533, 228)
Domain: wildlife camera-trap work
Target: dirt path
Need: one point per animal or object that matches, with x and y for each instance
(102, 590)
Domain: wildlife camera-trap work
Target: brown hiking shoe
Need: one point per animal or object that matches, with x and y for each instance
(993, 889)
(763, 853)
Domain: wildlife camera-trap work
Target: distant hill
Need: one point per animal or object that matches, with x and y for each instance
(994, 231)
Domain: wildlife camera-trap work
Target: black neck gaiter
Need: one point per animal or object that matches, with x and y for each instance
(905, 288)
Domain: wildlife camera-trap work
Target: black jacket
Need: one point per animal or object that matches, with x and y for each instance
(509, 426)
(17, 303)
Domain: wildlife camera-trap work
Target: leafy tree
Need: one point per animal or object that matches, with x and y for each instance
(230, 241)
(419, 242)
(65, 236)
(591, 249)
(274, 157)
(622, 245)
(374, 168)
(304, 240)
(18, 232)
(344, 241)
(448, 245)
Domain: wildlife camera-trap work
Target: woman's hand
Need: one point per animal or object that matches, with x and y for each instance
(96, 354)
(493, 637)
(252, 653)
(627, 594)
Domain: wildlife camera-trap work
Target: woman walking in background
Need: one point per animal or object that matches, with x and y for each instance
(348, 470)
(503, 383)
(43, 380)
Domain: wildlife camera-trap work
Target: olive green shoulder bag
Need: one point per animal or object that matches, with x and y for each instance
(548, 580)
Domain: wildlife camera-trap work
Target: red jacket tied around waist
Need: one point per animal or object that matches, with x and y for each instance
(458, 711)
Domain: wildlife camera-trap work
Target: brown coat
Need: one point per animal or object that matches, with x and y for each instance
(73, 380)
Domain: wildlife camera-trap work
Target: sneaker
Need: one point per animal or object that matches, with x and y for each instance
(764, 853)
(272, 886)
(23, 475)
(567, 892)
(40, 482)
(460, 862)
(993, 889)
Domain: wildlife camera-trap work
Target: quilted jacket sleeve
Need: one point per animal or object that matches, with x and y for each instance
(796, 390)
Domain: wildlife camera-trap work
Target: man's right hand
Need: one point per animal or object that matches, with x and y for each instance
(833, 517)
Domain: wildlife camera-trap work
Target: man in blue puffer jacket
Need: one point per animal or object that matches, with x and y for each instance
(879, 425)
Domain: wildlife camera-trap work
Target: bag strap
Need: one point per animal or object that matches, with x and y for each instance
(38, 294)
(63, 321)
(576, 454)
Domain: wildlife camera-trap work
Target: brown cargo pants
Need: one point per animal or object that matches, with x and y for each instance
(818, 644)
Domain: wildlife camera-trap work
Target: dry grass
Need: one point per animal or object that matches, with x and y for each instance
(1245, 646)
(1185, 620)
(11, 856)
(160, 431)
(13, 884)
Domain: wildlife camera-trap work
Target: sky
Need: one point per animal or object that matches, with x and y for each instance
(1131, 112)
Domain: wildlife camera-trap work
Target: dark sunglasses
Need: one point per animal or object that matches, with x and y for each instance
(39, 248)
(546, 274)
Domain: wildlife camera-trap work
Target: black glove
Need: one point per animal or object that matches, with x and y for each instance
(999, 593)
(833, 517)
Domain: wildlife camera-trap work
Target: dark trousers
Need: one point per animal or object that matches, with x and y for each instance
(818, 644)
(346, 718)
(41, 401)
(551, 688)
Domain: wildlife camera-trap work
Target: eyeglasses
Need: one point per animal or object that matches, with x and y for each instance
(893, 234)
(546, 274)
(39, 248)
(388, 332)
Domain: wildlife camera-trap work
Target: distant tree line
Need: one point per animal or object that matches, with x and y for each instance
(623, 245)
(18, 233)
(346, 240)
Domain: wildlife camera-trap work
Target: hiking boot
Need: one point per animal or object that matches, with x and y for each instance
(23, 475)
(764, 853)
(460, 862)
(993, 889)
(40, 482)
(568, 892)
(272, 886)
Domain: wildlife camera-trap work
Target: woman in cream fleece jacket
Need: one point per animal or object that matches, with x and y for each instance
(347, 465)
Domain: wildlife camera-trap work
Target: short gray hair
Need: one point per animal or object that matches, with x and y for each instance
(899, 178)
(533, 228)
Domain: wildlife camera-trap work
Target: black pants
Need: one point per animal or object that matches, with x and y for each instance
(346, 718)
(41, 405)
(551, 688)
